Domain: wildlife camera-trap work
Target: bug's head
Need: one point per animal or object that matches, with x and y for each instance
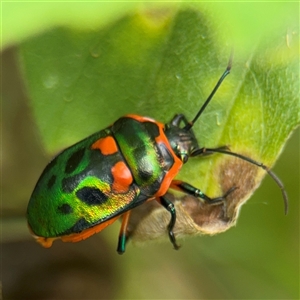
(182, 141)
(182, 138)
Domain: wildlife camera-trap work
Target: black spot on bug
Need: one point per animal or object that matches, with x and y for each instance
(145, 171)
(65, 209)
(166, 159)
(99, 166)
(91, 196)
(51, 181)
(74, 160)
(81, 225)
(78, 227)
(152, 129)
(49, 167)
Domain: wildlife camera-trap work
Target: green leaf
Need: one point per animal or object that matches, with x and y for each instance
(96, 77)
(91, 78)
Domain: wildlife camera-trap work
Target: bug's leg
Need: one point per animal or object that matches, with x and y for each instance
(169, 206)
(123, 233)
(226, 150)
(178, 118)
(191, 190)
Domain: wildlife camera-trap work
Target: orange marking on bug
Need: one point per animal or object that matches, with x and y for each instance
(106, 145)
(165, 184)
(46, 242)
(77, 237)
(141, 118)
(122, 177)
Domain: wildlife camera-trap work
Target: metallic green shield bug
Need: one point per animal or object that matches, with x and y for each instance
(103, 177)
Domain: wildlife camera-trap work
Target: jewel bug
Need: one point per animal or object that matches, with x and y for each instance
(91, 184)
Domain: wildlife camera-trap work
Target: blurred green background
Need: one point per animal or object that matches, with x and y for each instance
(258, 259)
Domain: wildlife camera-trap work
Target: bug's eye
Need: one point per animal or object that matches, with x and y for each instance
(184, 158)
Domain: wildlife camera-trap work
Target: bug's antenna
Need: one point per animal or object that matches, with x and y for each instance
(261, 165)
(226, 72)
